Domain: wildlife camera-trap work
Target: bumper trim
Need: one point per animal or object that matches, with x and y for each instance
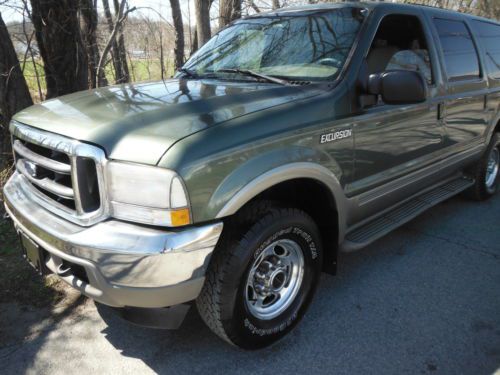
(126, 264)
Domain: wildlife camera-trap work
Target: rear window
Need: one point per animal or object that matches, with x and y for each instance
(460, 54)
(489, 35)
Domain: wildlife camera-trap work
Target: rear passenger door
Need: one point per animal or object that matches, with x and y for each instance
(488, 34)
(463, 108)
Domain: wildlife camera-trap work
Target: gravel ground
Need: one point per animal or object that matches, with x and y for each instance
(425, 299)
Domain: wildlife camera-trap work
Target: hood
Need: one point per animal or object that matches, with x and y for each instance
(139, 122)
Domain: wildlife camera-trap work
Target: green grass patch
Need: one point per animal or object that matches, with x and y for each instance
(139, 69)
(144, 70)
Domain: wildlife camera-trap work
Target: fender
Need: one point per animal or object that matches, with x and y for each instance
(288, 172)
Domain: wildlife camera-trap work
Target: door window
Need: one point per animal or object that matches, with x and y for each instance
(400, 44)
(460, 55)
(489, 34)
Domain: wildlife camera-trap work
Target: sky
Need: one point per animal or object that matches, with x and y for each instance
(158, 6)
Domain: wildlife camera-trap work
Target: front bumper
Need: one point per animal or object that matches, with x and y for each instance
(125, 264)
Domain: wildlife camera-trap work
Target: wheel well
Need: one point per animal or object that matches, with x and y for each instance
(314, 198)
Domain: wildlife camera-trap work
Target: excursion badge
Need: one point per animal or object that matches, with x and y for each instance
(334, 136)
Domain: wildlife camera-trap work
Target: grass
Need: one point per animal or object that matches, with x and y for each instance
(139, 69)
(144, 70)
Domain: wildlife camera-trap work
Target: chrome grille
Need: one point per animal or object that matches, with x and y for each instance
(64, 176)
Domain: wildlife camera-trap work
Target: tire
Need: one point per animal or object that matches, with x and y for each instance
(232, 301)
(486, 176)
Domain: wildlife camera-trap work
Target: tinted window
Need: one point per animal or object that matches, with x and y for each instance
(460, 55)
(400, 44)
(489, 34)
(416, 60)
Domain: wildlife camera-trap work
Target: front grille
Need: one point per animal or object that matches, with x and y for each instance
(64, 174)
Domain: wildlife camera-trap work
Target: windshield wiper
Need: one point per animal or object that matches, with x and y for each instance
(188, 72)
(251, 73)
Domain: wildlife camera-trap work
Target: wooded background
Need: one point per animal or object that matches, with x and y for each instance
(56, 47)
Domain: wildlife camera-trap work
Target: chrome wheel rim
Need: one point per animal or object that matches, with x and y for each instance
(274, 279)
(492, 168)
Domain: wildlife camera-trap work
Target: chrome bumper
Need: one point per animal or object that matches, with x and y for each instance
(126, 264)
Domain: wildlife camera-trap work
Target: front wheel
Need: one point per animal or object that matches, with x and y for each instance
(260, 284)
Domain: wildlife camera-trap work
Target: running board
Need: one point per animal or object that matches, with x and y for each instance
(401, 214)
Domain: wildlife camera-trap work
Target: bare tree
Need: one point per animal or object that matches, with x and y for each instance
(229, 10)
(254, 6)
(14, 93)
(117, 49)
(29, 50)
(88, 10)
(194, 43)
(202, 11)
(121, 52)
(59, 40)
(179, 34)
(121, 16)
(489, 8)
(109, 20)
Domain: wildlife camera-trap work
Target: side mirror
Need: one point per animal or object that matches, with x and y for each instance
(398, 86)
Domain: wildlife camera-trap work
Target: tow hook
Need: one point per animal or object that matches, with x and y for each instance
(63, 272)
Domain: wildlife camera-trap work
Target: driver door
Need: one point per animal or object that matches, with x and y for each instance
(393, 142)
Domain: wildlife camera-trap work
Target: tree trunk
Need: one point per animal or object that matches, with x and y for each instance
(229, 10)
(276, 4)
(59, 40)
(179, 34)
(255, 7)
(118, 52)
(194, 44)
(109, 20)
(88, 9)
(202, 11)
(121, 16)
(121, 52)
(14, 93)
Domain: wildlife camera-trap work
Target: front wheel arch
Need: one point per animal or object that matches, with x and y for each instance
(303, 171)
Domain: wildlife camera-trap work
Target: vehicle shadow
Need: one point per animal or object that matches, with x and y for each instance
(24, 330)
(402, 305)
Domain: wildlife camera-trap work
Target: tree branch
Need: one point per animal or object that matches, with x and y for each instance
(120, 18)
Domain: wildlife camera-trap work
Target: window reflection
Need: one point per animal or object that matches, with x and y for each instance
(459, 52)
(306, 46)
(489, 34)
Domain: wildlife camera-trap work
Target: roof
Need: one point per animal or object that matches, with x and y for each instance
(366, 5)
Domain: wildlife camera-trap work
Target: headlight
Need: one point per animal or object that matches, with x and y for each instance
(148, 195)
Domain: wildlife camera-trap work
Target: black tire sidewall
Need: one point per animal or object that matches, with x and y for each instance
(484, 191)
(242, 327)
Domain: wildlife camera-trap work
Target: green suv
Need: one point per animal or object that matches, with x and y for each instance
(288, 137)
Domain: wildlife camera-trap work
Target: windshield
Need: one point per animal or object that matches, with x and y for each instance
(310, 46)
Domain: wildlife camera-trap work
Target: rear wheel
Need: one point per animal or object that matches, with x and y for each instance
(260, 282)
(486, 172)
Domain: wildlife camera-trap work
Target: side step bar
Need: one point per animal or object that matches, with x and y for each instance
(381, 225)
